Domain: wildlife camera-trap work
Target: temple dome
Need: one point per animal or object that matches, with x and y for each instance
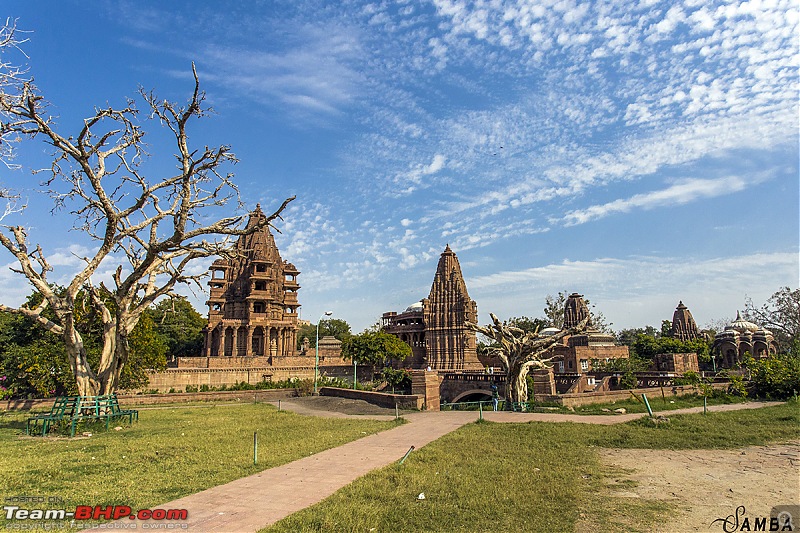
(741, 325)
(416, 306)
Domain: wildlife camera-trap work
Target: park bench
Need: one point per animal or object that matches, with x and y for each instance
(76, 409)
(63, 407)
(104, 407)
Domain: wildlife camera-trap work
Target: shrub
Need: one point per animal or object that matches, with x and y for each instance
(776, 377)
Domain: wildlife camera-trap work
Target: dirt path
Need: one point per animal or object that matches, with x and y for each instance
(711, 484)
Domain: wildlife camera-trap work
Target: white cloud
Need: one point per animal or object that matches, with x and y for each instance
(680, 193)
(636, 291)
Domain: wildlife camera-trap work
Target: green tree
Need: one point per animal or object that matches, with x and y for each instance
(376, 348)
(647, 346)
(180, 326)
(776, 377)
(34, 362)
(334, 327)
(148, 352)
(527, 324)
(627, 337)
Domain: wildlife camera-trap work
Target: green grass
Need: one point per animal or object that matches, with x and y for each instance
(168, 454)
(529, 477)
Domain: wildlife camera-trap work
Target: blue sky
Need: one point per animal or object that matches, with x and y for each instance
(638, 153)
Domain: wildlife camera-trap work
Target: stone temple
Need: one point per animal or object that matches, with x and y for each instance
(741, 337)
(578, 352)
(436, 327)
(252, 307)
(684, 328)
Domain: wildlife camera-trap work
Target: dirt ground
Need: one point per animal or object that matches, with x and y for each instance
(333, 406)
(710, 484)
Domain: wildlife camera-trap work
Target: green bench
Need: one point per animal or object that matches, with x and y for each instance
(76, 409)
(64, 407)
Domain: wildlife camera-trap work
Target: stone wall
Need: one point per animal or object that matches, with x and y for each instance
(179, 378)
(543, 382)
(381, 399)
(253, 362)
(679, 363)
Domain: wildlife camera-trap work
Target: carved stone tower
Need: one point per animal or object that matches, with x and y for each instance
(575, 310)
(252, 308)
(684, 327)
(450, 345)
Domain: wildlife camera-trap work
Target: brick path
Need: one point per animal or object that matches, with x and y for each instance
(251, 503)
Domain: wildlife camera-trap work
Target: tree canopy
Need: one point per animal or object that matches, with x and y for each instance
(375, 348)
(180, 325)
(34, 363)
(334, 327)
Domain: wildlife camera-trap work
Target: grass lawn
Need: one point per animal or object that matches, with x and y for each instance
(169, 453)
(658, 403)
(528, 477)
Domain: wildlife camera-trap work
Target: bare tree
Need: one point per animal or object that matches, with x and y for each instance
(154, 227)
(780, 314)
(520, 351)
(10, 40)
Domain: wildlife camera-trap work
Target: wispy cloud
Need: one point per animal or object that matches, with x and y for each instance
(314, 75)
(683, 192)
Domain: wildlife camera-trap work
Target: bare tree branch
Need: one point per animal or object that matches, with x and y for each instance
(520, 351)
(157, 225)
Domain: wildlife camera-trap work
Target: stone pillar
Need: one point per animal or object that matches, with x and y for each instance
(426, 384)
(248, 348)
(544, 382)
(207, 345)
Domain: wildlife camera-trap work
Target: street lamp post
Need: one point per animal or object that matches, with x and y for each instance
(316, 358)
(355, 375)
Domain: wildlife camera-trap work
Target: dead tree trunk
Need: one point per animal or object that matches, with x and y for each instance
(520, 351)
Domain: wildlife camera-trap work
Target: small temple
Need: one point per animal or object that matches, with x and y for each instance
(578, 352)
(741, 337)
(684, 328)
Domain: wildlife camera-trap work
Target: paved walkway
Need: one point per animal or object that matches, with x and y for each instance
(251, 503)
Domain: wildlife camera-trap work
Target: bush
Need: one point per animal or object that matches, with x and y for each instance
(397, 379)
(776, 377)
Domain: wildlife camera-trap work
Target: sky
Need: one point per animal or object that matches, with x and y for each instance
(639, 153)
